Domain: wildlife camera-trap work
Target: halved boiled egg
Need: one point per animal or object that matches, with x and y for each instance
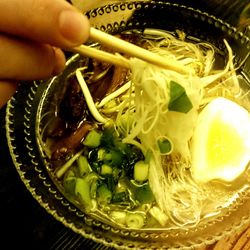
(221, 141)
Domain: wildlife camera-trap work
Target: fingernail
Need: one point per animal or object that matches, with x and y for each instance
(74, 27)
(60, 61)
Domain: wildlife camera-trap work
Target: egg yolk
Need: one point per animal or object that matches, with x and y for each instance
(223, 141)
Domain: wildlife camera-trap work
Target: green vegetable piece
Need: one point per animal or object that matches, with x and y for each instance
(106, 169)
(101, 154)
(119, 145)
(118, 216)
(107, 157)
(110, 182)
(165, 146)
(144, 194)
(179, 100)
(108, 136)
(83, 165)
(141, 171)
(114, 157)
(93, 189)
(104, 195)
(69, 185)
(82, 191)
(120, 197)
(148, 156)
(159, 215)
(135, 220)
(117, 173)
(70, 173)
(93, 139)
(92, 180)
(93, 159)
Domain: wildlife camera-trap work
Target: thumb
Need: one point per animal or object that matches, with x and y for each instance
(55, 22)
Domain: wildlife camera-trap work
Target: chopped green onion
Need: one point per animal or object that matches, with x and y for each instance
(108, 136)
(92, 176)
(179, 100)
(83, 165)
(104, 195)
(69, 185)
(165, 146)
(93, 139)
(120, 197)
(144, 194)
(118, 216)
(148, 156)
(107, 156)
(106, 169)
(110, 182)
(93, 188)
(135, 220)
(159, 215)
(70, 173)
(141, 171)
(101, 154)
(82, 191)
(113, 157)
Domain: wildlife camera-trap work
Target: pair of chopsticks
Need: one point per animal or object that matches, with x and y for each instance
(125, 47)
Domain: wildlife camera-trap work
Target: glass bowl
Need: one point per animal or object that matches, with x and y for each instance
(29, 109)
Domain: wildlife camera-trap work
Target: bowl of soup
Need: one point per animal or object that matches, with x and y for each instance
(143, 157)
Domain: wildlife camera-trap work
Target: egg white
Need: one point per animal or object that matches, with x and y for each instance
(226, 112)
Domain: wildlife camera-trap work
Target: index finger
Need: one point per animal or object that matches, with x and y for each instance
(54, 22)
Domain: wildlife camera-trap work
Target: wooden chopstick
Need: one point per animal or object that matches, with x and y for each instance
(136, 51)
(125, 47)
(101, 55)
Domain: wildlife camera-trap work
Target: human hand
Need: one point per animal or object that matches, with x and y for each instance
(32, 33)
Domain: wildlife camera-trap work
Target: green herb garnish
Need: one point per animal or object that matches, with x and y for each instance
(179, 100)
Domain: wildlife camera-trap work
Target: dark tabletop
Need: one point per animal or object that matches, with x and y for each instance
(24, 223)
